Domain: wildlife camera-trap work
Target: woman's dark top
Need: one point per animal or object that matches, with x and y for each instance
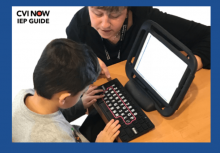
(194, 35)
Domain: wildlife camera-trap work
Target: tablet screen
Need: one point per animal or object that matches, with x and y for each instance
(160, 67)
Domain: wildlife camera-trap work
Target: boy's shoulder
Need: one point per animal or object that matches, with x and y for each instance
(28, 126)
(50, 132)
(20, 97)
(41, 131)
(22, 93)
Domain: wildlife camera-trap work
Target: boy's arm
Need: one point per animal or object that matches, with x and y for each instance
(79, 109)
(74, 112)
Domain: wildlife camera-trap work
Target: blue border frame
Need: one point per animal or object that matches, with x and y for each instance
(6, 84)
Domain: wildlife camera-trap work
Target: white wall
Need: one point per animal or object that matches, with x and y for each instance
(28, 40)
(197, 14)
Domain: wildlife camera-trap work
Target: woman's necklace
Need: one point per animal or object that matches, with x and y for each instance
(116, 35)
(121, 34)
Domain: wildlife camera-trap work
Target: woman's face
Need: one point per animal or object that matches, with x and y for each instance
(107, 24)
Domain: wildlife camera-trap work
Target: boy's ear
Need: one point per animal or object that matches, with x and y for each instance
(62, 98)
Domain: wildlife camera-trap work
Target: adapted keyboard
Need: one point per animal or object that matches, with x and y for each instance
(117, 104)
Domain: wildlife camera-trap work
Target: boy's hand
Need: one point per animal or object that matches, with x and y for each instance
(110, 132)
(89, 96)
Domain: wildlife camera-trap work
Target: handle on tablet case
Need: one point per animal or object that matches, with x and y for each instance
(165, 36)
(145, 29)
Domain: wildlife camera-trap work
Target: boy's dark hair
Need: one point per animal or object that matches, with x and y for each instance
(65, 66)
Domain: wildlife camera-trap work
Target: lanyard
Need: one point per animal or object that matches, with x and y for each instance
(123, 31)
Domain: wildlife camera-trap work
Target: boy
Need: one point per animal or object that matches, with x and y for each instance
(62, 74)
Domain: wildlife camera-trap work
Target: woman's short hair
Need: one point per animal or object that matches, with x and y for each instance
(111, 9)
(65, 66)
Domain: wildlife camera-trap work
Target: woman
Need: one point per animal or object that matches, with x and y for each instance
(111, 31)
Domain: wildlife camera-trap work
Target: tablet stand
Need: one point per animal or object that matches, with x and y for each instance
(141, 97)
(140, 90)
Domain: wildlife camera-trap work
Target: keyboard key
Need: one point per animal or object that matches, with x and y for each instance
(114, 111)
(113, 100)
(127, 121)
(125, 100)
(140, 129)
(135, 114)
(134, 130)
(116, 98)
(115, 88)
(141, 121)
(150, 124)
(140, 114)
(135, 122)
(122, 114)
(125, 138)
(129, 114)
(123, 125)
(115, 104)
(137, 125)
(113, 85)
(112, 108)
(110, 97)
(108, 94)
(122, 97)
(144, 125)
(122, 132)
(132, 110)
(132, 117)
(120, 94)
(129, 107)
(129, 132)
(106, 91)
(120, 111)
(117, 107)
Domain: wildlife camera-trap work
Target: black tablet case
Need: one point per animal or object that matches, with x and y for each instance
(140, 90)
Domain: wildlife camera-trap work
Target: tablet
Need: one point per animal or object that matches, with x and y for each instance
(159, 68)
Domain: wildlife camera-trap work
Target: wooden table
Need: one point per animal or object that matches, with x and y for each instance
(190, 123)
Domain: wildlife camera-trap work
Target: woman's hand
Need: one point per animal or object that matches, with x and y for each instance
(198, 59)
(104, 69)
(89, 96)
(110, 132)
(199, 62)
